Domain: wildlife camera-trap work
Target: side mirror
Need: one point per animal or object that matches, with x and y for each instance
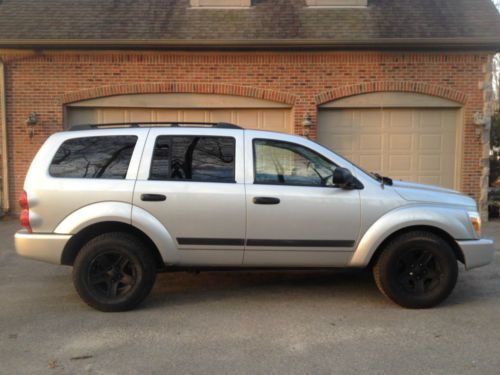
(342, 177)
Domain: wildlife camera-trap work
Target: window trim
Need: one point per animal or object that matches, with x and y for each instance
(91, 178)
(294, 185)
(233, 181)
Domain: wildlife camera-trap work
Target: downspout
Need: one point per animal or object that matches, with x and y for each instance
(3, 125)
(487, 87)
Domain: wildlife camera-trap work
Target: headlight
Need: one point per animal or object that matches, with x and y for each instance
(475, 220)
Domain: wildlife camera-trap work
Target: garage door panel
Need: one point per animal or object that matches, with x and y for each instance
(342, 142)
(330, 133)
(398, 142)
(248, 118)
(145, 115)
(112, 115)
(411, 144)
(350, 156)
(275, 120)
(222, 115)
(449, 117)
(193, 115)
(431, 119)
(429, 163)
(372, 162)
(343, 119)
(400, 163)
(430, 180)
(168, 115)
(431, 143)
(400, 119)
(370, 142)
(80, 116)
(369, 120)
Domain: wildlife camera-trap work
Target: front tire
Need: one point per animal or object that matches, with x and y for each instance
(416, 270)
(114, 272)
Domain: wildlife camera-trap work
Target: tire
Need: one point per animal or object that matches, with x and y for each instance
(114, 272)
(416, 270)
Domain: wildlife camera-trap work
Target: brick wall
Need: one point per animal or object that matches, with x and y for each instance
(44, 82)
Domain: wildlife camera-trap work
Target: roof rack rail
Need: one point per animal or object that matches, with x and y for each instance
(172, 124)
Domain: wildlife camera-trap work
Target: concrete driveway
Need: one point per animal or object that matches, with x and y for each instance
(245, 323)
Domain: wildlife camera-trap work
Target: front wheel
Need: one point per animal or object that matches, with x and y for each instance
(114, 272)
(416, 270)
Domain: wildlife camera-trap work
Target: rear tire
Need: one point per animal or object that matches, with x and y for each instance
(416, 270)
(114, 272)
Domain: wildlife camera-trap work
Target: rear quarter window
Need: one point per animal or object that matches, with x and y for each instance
(106, 157)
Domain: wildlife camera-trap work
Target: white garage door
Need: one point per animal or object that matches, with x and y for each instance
(246, 112)
(412, 144)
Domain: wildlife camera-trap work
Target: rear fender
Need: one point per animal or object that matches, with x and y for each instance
(143, 220)
(93, 214)
(123, 213)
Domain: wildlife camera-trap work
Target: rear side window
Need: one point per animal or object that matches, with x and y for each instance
(193, 158)
(94, 157)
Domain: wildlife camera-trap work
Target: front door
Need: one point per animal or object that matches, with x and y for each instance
(295, 215)
(194, 185)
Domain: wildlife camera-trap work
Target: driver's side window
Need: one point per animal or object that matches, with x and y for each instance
(284, 163)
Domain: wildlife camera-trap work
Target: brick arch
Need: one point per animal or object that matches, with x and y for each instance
(176, 87)
(381, 86)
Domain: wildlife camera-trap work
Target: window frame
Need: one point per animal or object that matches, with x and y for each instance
(254, 140)
(136, 137)
(233, 181)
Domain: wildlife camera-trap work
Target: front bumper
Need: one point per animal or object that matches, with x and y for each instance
(477, 253)
(43, 247)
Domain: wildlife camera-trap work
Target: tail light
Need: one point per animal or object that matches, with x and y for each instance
(23, 201)
(24, 217)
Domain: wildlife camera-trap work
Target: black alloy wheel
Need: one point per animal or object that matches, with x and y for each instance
(114, 272)
(416, 269)
(419, 271)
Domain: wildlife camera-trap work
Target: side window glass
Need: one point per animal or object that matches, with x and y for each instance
(202, 159)
(93, 157)
(160, 164)
(283, 163)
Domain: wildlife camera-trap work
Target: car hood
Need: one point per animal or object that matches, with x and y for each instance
(432, 194)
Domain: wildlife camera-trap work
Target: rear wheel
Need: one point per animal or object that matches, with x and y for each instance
(416, 270)
(114, 272)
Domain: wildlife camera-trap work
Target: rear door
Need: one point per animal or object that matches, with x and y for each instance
(192, 181)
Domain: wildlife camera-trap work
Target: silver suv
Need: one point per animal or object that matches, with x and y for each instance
(121, 203)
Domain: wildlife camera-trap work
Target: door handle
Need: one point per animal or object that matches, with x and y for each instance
(153, 197)
(266, 200)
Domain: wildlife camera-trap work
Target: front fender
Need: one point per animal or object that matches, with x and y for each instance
(453, 221)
